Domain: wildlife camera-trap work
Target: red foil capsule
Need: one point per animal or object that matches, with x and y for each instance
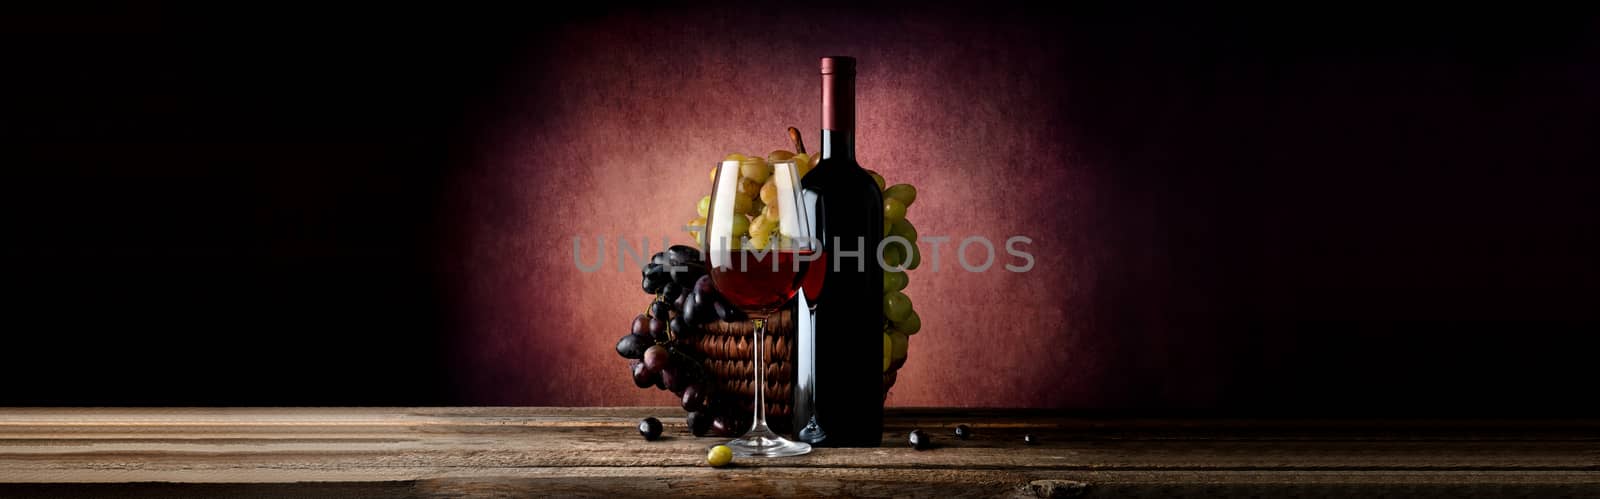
(838, 93)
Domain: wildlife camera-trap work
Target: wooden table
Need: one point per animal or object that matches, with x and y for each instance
(596, 452)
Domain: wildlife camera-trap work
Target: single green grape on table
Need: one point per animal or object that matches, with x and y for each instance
(719, 456)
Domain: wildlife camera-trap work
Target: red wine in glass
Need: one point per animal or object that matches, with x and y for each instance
(764, 280)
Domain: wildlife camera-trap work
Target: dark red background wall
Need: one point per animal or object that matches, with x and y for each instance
(1275, 213)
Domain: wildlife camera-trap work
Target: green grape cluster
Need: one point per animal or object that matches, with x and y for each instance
(757, 196)
(754, 201)
(900, 319)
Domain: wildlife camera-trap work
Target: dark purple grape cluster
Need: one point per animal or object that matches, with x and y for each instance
(661, 340)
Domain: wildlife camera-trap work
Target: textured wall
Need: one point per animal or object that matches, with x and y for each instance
(1322, 213)
(1227, 212)
(613, 133)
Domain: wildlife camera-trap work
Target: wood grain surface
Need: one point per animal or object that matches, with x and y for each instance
(593, 452)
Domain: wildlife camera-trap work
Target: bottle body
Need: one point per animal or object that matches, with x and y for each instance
(839, 398)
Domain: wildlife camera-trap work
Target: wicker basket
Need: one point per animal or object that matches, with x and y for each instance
(726, 347)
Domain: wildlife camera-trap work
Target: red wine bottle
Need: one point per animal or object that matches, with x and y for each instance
(839, 398)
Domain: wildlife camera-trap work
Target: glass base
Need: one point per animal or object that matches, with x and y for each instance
(766, 444)
(811, 434)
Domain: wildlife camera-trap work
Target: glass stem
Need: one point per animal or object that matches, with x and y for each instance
(761, 382)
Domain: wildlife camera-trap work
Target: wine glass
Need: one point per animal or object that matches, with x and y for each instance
(758, 266)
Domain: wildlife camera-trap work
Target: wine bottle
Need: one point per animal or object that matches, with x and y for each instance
(839, 398)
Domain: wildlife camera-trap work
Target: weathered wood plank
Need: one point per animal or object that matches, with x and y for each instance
(735, 482)
(428, 452)
(274, 420)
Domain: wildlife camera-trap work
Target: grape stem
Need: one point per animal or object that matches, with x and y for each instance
(799, 143)
(671, 337)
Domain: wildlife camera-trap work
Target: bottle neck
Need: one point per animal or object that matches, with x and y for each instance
(839, 111)
(838, 144)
